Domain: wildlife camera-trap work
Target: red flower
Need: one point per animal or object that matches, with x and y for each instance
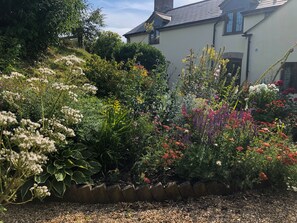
(279, 83)
(239, 148)
(263, 176)
(166, 127)
(165, 156)
(289, 91)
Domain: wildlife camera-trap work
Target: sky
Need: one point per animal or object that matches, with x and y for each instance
(123, 15)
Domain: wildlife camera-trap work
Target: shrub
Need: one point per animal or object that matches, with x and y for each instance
(144, 54)
(107, 44)
(107, 76)
(270, 101)
(136, 88)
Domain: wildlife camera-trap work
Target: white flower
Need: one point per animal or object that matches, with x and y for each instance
(40, 191)
(219, 163)
(73, 96)
(10, 96)
(70, 60)
(36, 79)
(63, 87)
(7, 118)
(47, 71)
(90, 88)
(72, 116)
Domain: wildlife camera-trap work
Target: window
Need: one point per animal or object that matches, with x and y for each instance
(234, 23)
(289, 75)
(154, 37)
(234, 68)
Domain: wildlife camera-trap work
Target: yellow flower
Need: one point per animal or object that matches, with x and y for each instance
(139, 100)
(116, 106)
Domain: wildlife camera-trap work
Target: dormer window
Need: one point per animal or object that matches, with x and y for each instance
(154, 37)
(234, 23)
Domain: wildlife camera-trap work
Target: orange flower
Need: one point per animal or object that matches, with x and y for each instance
(263, 176)
(260, 151)
(269, 158)
(239, 148)
(165, 145)
(266, 144)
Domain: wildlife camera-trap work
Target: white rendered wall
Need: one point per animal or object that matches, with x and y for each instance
(272, 38)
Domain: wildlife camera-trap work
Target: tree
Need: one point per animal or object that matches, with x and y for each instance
(106, 44)
(147, 55)
(89, 25)
(38, 23)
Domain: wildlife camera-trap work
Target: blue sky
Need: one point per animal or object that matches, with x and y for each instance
(123, 15)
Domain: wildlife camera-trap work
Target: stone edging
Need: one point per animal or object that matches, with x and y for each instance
(130, 193)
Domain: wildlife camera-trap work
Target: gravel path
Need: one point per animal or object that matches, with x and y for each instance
(242, 207)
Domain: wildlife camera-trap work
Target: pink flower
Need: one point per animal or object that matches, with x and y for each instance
(146, 180)
(239, 148)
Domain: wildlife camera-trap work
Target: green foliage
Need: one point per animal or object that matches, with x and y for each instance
(37, 24)
(9, 53)
(107, 76)
(107, 44)
(112, 135)
(136, 88)
(144, 54)
(71, 164)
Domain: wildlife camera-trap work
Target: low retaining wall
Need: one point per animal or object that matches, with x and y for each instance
(130, 193)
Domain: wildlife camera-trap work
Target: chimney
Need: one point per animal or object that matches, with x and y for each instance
(163, 5)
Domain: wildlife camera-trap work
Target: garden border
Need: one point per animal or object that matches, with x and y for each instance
(158, 192)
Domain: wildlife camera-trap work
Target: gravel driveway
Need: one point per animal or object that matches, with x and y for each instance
(241, 207)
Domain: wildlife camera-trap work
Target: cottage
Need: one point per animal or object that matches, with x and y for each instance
(254, 33)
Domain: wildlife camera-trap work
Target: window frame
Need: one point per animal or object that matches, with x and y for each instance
(234, 23)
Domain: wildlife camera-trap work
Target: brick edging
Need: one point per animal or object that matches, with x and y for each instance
(158, 192)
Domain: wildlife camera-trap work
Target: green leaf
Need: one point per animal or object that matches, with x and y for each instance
(76, 155)
(81, 164)
(95, 166)
(67, 180)
(59, 164)
(40, 179)
(79, 178)
(60, 176)
(25, 188)
(69, 163)
(59, 187)
(51, 169)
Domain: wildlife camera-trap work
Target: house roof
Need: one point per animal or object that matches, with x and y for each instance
(199, 12)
